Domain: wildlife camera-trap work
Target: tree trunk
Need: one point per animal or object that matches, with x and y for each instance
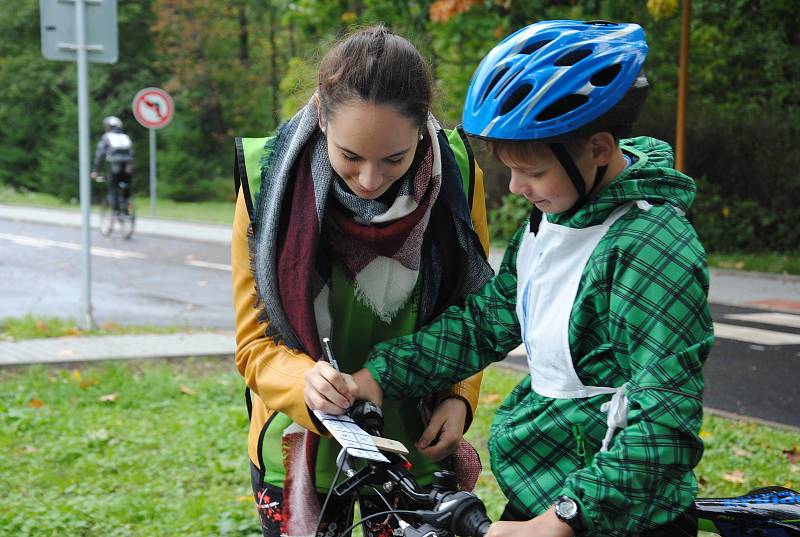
(244, 49)
(273, 76)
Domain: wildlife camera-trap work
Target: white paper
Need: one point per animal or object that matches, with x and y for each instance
(353, 438)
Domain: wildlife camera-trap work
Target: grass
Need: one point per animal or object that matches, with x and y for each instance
(157, 448)
(34, 327)
(779, 263)
(210, 212)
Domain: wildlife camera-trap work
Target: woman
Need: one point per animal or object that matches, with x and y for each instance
(361, 231)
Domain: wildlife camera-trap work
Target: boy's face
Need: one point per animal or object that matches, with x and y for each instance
(540, 178)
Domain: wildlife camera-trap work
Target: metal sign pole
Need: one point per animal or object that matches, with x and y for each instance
(152, 172)
(83, 158)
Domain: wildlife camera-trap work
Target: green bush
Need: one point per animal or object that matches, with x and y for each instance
(506, 219)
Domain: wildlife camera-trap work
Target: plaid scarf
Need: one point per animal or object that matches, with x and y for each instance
(302, 223)
(380, 245)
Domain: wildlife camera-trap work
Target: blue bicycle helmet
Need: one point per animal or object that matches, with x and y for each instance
(553, 78)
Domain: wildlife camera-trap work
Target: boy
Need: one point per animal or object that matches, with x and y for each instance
(608, 292)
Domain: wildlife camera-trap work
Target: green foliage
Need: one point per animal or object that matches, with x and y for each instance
(239, 68)
(297, 86)
(506, 219)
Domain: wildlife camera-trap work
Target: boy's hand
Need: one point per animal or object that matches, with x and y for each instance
(328, 390)
(368, 387)
(445, 429)
(545, 525)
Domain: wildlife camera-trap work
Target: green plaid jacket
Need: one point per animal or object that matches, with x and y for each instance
(641, 315)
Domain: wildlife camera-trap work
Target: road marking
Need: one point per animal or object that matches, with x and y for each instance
(780, 319)
(38, 242)
(207, 264)
(755, 335)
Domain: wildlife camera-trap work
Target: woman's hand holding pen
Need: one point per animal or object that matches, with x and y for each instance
(328, 390)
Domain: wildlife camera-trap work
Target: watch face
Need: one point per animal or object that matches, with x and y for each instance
(566, 508)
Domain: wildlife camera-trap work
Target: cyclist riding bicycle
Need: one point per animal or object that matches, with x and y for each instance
(606, 285)
(115, 148)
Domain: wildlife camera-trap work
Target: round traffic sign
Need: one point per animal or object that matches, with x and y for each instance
(153, 108)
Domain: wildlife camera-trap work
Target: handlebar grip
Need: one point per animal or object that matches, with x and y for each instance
(474, 523)
(368, 416)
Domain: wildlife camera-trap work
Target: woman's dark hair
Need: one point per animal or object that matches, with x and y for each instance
(377, 66)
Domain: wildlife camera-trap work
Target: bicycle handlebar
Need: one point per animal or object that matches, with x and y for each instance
(440, 508)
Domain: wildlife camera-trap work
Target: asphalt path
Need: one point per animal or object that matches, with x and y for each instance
(752, 370)
(145, 280)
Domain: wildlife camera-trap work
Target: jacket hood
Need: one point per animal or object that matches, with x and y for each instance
(651, 178)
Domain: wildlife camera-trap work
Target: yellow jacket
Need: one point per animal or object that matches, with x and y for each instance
(273, 372)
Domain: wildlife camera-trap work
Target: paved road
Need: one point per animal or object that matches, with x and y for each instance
(147, 280)
(753, 368)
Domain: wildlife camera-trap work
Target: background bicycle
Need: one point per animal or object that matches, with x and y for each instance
(124, 219)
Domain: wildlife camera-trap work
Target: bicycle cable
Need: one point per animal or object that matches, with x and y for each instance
(373, 515)
(385, 501)
(339, 466)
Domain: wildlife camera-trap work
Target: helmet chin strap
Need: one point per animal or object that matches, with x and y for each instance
(575, 176)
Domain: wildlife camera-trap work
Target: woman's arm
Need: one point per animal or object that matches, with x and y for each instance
(273, 372)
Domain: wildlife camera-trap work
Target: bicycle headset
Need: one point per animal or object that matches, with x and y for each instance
(559, 80)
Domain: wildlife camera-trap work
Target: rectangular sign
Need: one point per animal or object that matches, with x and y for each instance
(58, 30)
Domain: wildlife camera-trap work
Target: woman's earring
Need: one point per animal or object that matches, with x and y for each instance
(420, 137)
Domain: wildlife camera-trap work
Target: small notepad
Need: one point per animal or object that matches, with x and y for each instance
(353, 438)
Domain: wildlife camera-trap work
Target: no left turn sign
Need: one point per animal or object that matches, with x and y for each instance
(153, 108)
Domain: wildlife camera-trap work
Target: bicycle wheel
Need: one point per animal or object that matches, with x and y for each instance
(127, 220)
(106, 218)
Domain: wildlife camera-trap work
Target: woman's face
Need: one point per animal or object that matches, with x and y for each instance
(370, 145)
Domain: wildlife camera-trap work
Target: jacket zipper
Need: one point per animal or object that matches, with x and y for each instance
(580, 445)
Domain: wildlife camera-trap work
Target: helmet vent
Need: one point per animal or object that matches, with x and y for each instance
(530, 48)
(493, 83)
(606, 76)
(572, 57)
(515, 98)
(562, 106)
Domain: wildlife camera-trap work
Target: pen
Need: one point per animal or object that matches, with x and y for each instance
(326, 342)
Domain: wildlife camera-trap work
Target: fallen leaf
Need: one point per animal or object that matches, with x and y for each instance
(88, 383)
(490, 398)
(739, 265)
(739, 452)
(66, 353)
(41, 326)
(108, 398)
(74, 331)
(737, 477)
(109, 326)
(76, 373)
(705, 435)
(35, 403)
(793, 454)
(187, 390)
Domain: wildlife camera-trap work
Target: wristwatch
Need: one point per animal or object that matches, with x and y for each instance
(568, 511)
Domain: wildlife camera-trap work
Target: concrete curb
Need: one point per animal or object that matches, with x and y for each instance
(77, 349)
